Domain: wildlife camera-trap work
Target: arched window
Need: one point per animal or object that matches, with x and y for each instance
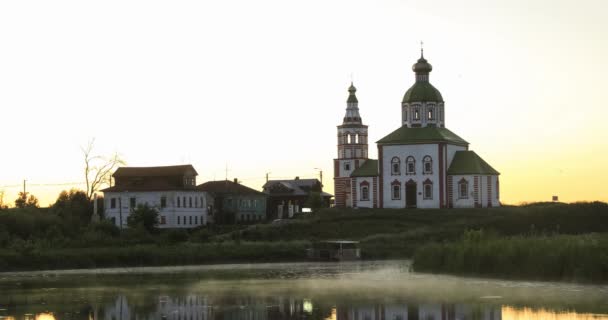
(396, 190)
(463, 189)
(416, 114)
(428, 189)
(431, 114)
(411, 165)
(395, 166)
(427, 165)
(364, 191)
(348, 138)
(357, 138)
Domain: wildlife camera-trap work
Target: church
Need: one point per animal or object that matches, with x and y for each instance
(422, 164)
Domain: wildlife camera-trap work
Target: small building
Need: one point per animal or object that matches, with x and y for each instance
(234, 203)
(287, 197)
(169, 189)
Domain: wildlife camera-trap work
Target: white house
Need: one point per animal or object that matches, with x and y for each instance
(422, 164)
(171, 190)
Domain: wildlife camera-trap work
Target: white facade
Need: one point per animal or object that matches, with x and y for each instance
(365, 198)
(176, 209)
(481, 191)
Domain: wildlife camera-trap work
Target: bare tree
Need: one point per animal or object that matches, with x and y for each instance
(98, 169)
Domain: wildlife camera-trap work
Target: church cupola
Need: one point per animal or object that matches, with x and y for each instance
(352, 107)
(422, 104)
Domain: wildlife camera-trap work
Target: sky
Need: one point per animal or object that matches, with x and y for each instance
(243, 88)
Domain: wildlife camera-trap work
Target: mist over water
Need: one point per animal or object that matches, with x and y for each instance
(355, 290)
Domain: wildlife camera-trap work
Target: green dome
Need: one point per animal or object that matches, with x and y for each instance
(422, 92)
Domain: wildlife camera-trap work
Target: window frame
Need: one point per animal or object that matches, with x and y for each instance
(427, 184)
(463, 183)
(427, 160)
(364, 190)
(410, 161)
(396, 186)
(395, 171)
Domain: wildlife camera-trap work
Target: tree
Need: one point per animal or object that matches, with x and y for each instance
(145, 216)
(74, 206)
(314, 201)
(98, 169)
(23, 201)
(2, 204)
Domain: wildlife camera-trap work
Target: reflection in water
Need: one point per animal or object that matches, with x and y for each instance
(511, 313)
(358, 291)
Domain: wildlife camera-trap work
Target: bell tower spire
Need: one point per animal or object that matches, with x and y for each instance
(352, 149)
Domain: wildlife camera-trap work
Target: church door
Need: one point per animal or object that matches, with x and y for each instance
(410, 194)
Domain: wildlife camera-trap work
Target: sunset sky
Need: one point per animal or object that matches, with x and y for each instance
(259, 86)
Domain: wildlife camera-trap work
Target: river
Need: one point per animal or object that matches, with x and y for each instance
(340, 291)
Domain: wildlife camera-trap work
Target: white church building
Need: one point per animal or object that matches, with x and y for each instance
(422, 164)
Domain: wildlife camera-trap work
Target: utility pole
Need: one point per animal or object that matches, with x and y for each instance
(24, 193)
(320, 175)
(267, 173)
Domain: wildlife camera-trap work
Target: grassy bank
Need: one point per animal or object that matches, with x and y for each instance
(50, 239)
(151, 255)
(554, 257)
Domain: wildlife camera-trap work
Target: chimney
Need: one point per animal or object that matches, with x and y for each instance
(297, 178)
(236, 180)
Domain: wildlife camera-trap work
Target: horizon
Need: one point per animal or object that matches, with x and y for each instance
(239, 93)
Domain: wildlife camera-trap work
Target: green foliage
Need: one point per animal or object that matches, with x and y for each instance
(74, 207)
(314, 201)
(23, 201)
(28, 257)
(176, 236)
(556, 257)
(144, 216)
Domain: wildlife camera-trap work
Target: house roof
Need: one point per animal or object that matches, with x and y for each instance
(369, 168)
(468, 162)
(295, 187)
(155, 171)
(155, 185)
(405, 135)
(227, 187)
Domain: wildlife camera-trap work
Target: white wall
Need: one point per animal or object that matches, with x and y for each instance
(418, 151)
(369, 203)
(171, 212)
(469, 202)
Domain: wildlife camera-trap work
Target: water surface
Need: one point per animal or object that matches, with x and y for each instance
(344, 291)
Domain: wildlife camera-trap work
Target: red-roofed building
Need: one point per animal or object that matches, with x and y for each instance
(169, 189)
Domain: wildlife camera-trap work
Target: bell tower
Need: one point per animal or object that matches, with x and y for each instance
(352, 149)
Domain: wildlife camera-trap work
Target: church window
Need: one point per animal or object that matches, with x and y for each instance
(427, 164)
(411, 165)
(347, 166)
(431, 114)
(395, 166)
(364, 193)
(396, 194)
(357, 138)
(416, 114)
(428, 189)
(405, 114)
(463, 189)
(348, 138)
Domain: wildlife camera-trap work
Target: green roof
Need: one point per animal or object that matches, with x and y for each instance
(405, 135)
(368, 169)
(422, 91)
(468, 162)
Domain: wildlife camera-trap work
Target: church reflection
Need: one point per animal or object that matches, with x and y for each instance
(194, 307)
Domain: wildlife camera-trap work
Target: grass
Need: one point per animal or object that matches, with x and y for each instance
(555, 257)
(152, 255)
